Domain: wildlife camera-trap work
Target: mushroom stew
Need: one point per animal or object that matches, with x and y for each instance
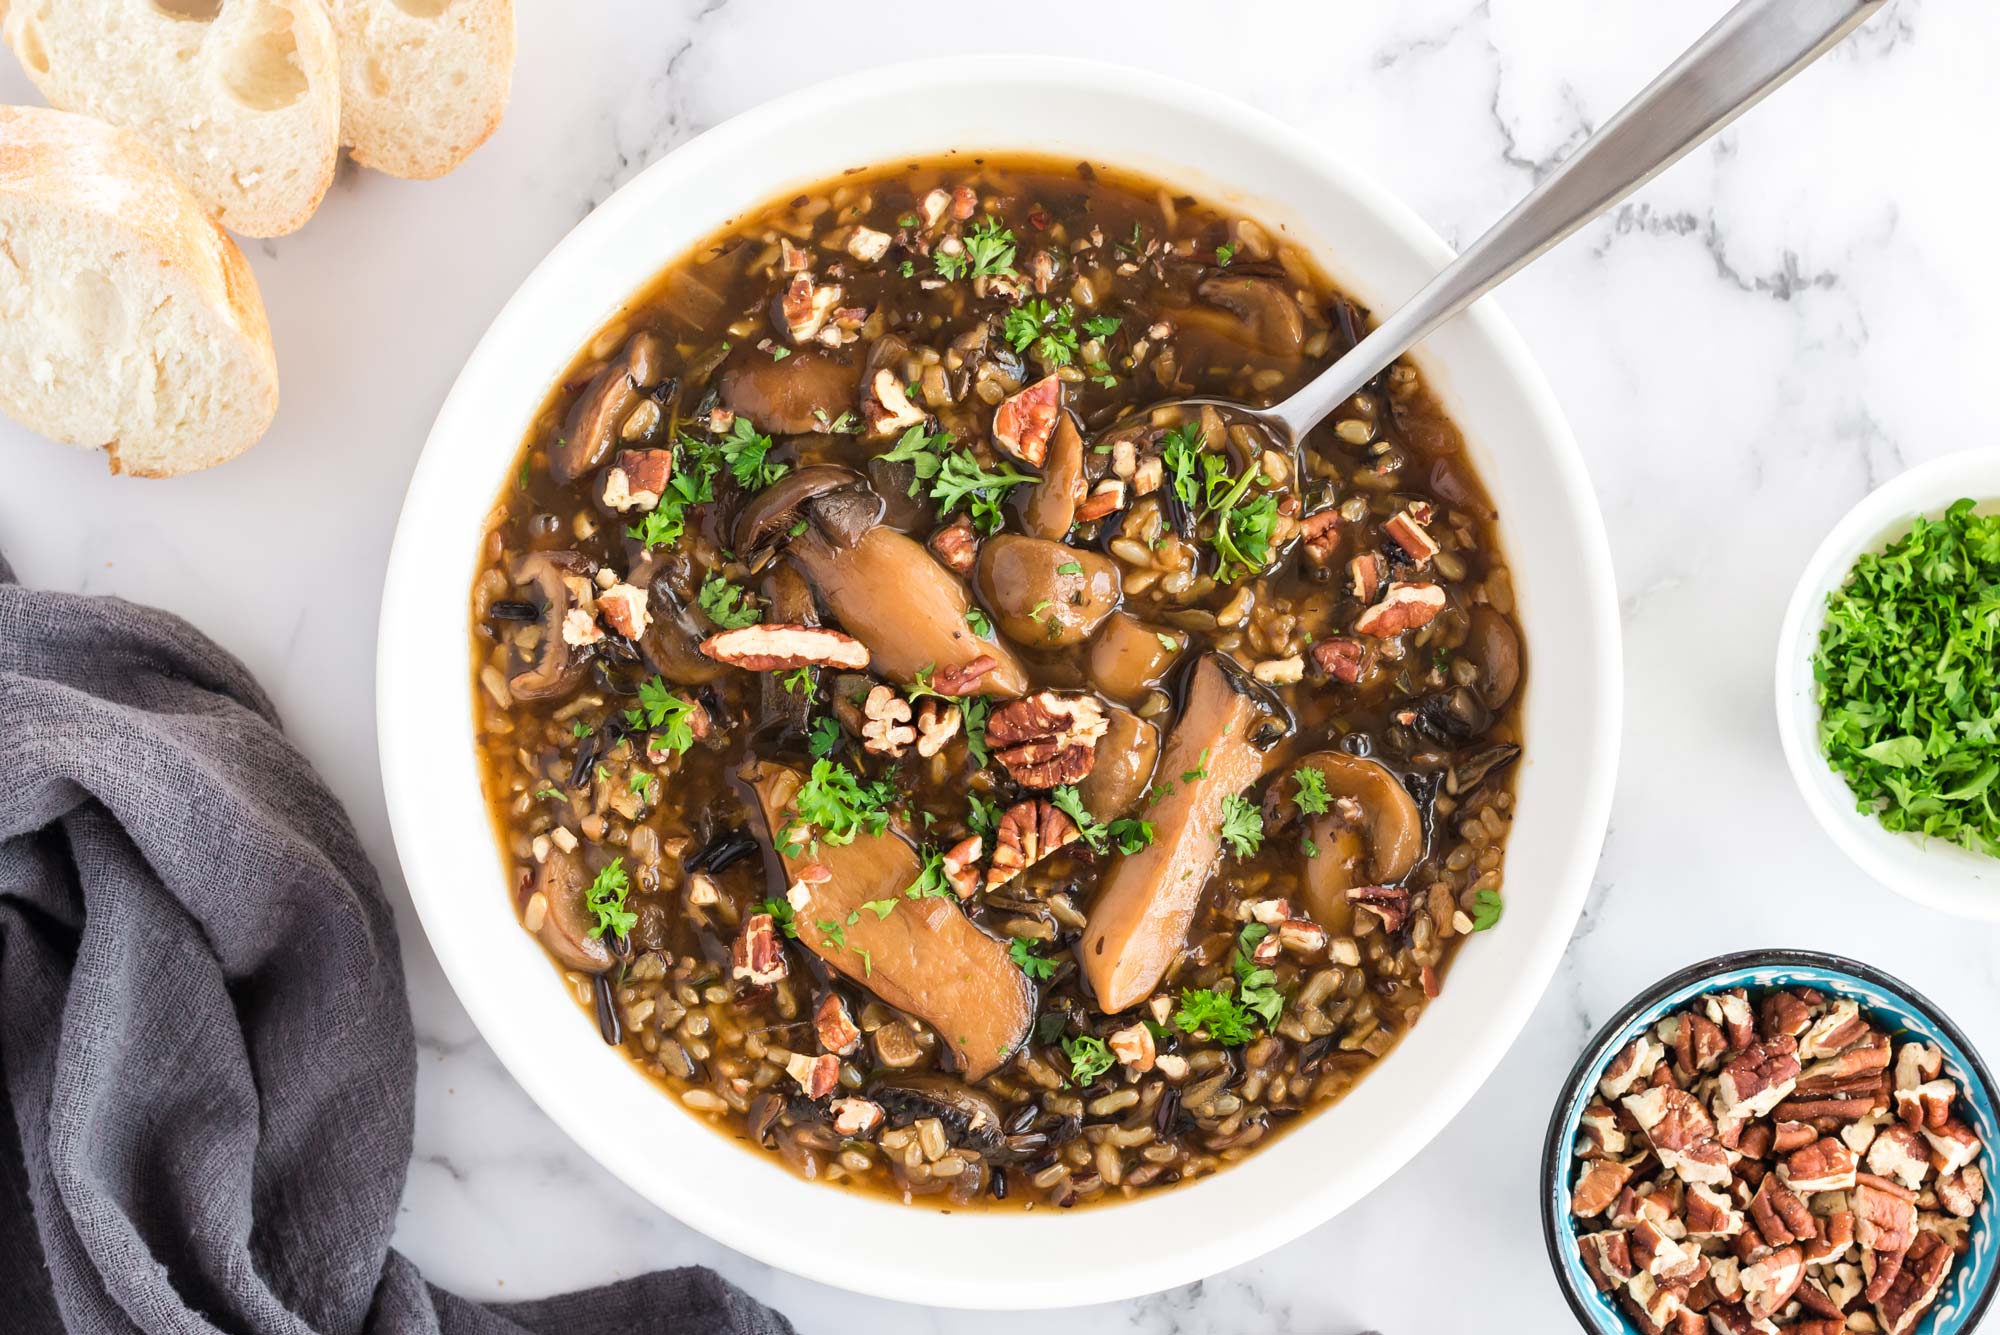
(937, 765)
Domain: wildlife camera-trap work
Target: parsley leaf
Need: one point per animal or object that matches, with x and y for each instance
(1486, 909)
(746, 452)
(922, 450)
(1312, 796)
(606, 899)
(1224, 254)
(1242, 825)
(979, 622)
(1089, 1058)
(692, 483)
(1256, 987)
(930, 882)
(1102, 326)
(973, 711)
(726, 605)
(1203, 1009)
(835, 802)
(1045, 327)
(781, 914)
(1022, 952)
(989, 250)
(961, 479)
(824, 737)
(668, 717)
(1180, 452)
(981, 815)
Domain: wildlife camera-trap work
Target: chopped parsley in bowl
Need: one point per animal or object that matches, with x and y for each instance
(1908, 684)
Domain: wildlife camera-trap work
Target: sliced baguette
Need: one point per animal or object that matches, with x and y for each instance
(128, 321)
(422, 82)
(242, 99)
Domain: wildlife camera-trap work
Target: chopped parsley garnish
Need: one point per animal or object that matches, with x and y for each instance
(1102, 326)
(1129, 836)
(1243, 524)
(579, 729)
(1022, 952)
(1167, 642)
(550, 790)
(643, 784)
(1200, 770)
(973, 711)
(832, 932)
(799, 681)
(1242, 825)
(746, 452)
(1180, 453)
(961, 479)
(922, 450)
(1486, 909)
(780, 352)
(1069, 568)
(1907, 676)
(978, 621)
(930, 882)
(1089, 1058)
(1224, 254)
(989, 250)
(1045, 327)
(1232, 1020)
(692, 483)
(1311, 848)
(824, 737)
(881, 908)
(1256, 986)
(981, 816)
(1312, 796)
(835, 802)
(726, 605)
(781, 914)
(1213, 1012)
(606, 899)
(668, 717)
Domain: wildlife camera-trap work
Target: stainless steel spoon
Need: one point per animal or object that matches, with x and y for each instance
(1756, 46)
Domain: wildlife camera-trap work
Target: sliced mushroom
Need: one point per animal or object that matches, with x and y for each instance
(781, 709)
(1494, 646)
(1128, 658)
(1138, 924)
(595, 418)
(1051, 504)
(924, 956)
(1266, 309)
(563, 883)
(1379, 848)
(881, 587)
(1127, 755)
(807, 391)
(969, 1117)
(671, 643)
(1043, 594)
(558, 667)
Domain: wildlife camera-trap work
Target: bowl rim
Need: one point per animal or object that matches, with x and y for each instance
(1932, 872)
(1556, 1140)
(1565, 867)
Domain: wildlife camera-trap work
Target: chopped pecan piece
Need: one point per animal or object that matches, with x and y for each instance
(1953, 1145)
(1783, 1015)
(1365, 574)
(964, 678)
(1108, 497)
(624, 610)
(961, 865)
(1410, 535)
(817, 1076)
(1698, 1043)
(887, 409)
(780, 646)
(1824, 1165)
(1029, 832)
(1710, 1214)
(1391, 903)
(1342, 658)
(1918, 1063)
(855, 1118)
(1134, 1047)
(1928, 1104)
(1608, 1258)
(1960, 1193)
(937, 723)
(1915, 1286)
(1901, 1153)
(1885, 1213)
(1681, 1134)
(1319, 534)
(868, 245)
(1403, 607)
(1789, 1136)
(1598, 1134)
(757, 956)
(964, 202)
(1833, 1032)
(1023, 423)
(1836, 1235)
(1866, 1056)
(805, 306)
(886, 729)
(1301, 936)
(580, 629)
(956, 545)
(1757, 1081)
(834, 1027)
(1664, 1257)
(1632, 1067)
(1598, 1188)
(1770, 1282)
(1046, 739)
(1779, 1214)
(1731, 1010)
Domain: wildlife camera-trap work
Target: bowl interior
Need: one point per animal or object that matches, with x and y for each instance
(1908, 1016)
(992, 1260)
(1935, 872)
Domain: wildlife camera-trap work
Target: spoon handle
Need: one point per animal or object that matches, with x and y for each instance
(1754, 48)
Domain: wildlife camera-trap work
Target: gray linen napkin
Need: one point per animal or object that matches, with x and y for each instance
(204, 1039)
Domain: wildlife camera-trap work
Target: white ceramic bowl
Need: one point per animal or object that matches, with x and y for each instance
(999, 1259)
(1933, 872)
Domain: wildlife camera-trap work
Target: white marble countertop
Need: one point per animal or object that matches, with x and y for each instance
(1793, 314)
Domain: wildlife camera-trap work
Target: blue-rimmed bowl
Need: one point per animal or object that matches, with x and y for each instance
(1904, 1012)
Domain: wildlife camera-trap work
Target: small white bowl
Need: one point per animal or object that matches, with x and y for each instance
(1514, 434)
(1933, 872)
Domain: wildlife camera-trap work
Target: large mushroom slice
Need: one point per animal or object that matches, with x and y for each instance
(559, 667)
(923, 956)
(881, 587)
(598, 416)
(1139, 922)
(1372, 835)
(807, 391)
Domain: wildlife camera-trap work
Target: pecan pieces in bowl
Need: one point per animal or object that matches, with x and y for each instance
(1772, 1158)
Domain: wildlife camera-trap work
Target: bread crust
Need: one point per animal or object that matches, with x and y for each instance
(89, 173)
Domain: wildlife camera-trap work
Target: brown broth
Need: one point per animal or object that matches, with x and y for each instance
(1207, 303)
